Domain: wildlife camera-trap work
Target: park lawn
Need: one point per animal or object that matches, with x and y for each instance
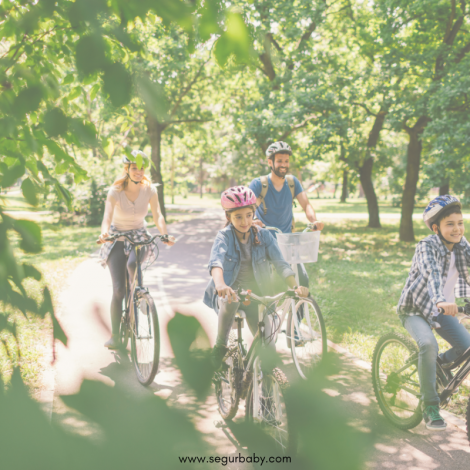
(357, 282)
(64, 247)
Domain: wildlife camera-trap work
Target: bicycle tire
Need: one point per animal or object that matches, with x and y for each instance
(468, 420)
(307, 353)
(142, 347)
(278, 428)
(124, 331)
(400, 407)
(228, 391)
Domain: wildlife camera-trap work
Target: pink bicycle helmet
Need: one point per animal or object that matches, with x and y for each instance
(237, 197)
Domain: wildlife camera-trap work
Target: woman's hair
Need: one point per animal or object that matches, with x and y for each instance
(122, 182)
(254, 227)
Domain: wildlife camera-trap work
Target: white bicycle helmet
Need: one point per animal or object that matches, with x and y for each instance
(436, 206)
(278, 147)
(134, 153)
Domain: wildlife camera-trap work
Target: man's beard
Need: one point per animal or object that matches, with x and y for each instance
(278, 173)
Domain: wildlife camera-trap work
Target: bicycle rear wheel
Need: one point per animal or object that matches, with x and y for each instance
(124, 331)
(306, 334)
(145, 338)
(396, 381)
(265, 404)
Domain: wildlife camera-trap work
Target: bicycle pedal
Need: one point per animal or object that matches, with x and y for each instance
(220, 424)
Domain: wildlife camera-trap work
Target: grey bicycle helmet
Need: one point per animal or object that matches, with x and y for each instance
(278, 147)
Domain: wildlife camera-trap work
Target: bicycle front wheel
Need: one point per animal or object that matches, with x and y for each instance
(265, 404)
(145, 338)
(396, 381)
(227, 383)
(306, 334)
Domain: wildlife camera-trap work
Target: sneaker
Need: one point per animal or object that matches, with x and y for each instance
(113, 342)
(217, 356)
(432, 419)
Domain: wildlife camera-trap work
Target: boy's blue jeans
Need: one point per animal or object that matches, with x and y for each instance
(452, 331)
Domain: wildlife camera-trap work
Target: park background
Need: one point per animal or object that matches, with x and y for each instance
(371, 96)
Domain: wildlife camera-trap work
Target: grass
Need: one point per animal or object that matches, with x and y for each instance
(357, 282)
(64, 247)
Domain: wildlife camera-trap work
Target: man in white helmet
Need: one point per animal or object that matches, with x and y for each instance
(276, 194)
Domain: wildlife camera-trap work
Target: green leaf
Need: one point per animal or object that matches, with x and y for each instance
(28, 100)
(117, 83)
(208, 23)
(85, 132)
(235, 40)
(11, 174)
(68, 79)
(94, 91)
(90, 54)
(29, 191)
(153, 95)
(108, 146)
(55, 122)
(190, 346)
(64, 194)
(30, 233)
(31, 271)
(75, 93)
(138, 161)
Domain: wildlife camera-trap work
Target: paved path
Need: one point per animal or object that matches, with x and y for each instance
(177, 282)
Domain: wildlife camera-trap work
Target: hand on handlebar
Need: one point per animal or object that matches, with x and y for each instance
(448, 307)
(258, 223)
(171, 240)
(102, 238)
(302, 291)
(226, 292)
(317, 225)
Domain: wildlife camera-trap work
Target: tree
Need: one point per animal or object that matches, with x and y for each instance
(424, 44)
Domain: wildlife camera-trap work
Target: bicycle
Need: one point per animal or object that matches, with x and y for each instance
(305, 331)
(396, 381)
(139, 320)
(244, 378)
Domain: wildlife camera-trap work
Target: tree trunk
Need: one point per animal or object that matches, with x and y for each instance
(365, 175)
(365, 171)
(344, 190)
(155, 131)
(444, 188)
(412, 175)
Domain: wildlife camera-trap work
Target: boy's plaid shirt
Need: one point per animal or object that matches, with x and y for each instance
(428, 274)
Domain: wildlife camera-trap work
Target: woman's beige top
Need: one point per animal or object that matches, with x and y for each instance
(131, 215)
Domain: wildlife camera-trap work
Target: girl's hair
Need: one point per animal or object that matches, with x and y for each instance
(122, 182)
(254, 227)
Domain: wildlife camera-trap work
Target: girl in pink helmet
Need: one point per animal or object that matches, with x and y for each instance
(241, 258)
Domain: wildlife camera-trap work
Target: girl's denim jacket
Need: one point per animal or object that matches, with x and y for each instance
(226, 254)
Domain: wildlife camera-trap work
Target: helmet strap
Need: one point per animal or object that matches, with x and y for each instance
(439, 234)
(135, 182)
(244, 233)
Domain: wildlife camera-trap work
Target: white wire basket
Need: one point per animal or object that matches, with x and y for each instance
(299, 247)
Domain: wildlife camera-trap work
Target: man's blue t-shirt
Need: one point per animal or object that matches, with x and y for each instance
(279, 204)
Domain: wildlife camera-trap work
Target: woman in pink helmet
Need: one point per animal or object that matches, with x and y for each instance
(241, 257)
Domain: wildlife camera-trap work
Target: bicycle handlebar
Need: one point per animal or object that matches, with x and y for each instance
(163, 238)
(460, 310)
(309, 226)
(263, 299)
